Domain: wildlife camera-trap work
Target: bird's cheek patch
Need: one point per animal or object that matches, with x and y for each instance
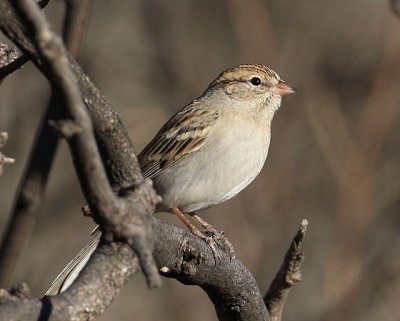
(230, 89)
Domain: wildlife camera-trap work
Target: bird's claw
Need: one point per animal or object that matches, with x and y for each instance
(214, 239)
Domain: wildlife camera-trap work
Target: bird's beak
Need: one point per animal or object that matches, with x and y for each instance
(282, 89)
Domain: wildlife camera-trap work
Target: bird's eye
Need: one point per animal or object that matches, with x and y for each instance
(255, 81)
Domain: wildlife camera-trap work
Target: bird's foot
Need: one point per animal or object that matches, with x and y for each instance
(209, 239)
(209, 234)
(216, 236)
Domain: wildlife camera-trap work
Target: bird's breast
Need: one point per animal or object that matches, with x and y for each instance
(225, 165)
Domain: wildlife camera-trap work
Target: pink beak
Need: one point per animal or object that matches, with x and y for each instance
(282, 89)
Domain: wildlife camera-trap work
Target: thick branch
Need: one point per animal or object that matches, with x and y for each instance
(228, 283)
(178, 253)
(110, 267)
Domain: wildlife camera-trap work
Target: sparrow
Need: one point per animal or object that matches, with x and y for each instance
(208, 152)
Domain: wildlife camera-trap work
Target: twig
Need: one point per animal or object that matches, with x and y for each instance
(288, 275)
(4, 159)
(3, 138)
(75, 24)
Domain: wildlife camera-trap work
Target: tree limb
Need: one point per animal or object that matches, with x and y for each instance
(110, 267)
(180, 255)
(228, 283)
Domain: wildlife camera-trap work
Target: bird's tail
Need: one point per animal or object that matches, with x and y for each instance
(72, 270)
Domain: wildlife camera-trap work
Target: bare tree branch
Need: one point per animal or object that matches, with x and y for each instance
(110, 267)
(127, 217)
(117, 150)
(288, 275)
(179, 254)
(228, 283)
(30, 193)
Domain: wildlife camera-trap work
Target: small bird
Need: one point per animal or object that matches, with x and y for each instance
(208, 151)
(215, 146)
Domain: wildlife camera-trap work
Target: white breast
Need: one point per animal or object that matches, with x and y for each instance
(218, 171)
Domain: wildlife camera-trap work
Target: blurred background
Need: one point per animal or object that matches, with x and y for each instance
(334, 157)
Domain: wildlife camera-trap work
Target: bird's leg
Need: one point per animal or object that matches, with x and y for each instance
(195, 231)
(207, 226)
(185, 221)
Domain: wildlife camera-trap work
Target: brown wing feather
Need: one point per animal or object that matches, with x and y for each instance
(183, 134)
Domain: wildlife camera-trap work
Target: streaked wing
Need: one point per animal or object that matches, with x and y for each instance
(183, 134)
